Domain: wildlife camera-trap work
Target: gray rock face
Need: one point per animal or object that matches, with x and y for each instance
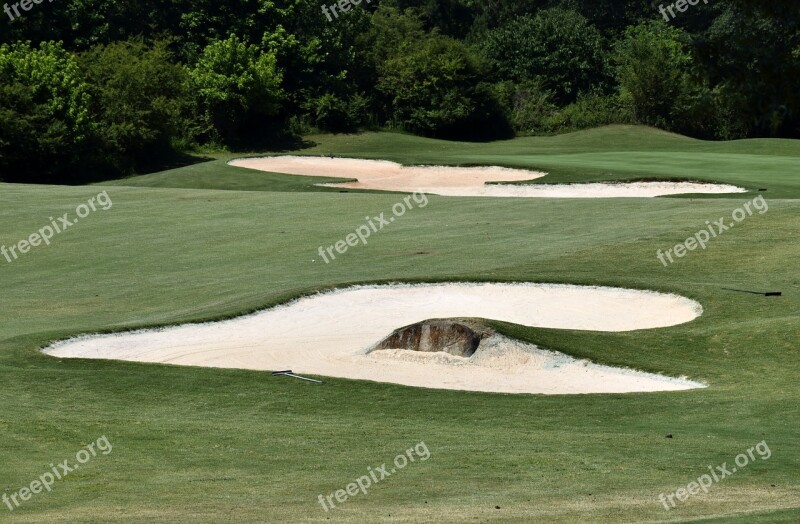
(455, 338)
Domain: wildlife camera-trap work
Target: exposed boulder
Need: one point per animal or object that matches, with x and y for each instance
(452, 337)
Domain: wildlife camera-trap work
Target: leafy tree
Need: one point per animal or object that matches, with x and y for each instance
(138, 93)
(653, 68)
(528, 105)
(449, 17)
(236, 88)
(436, 90)
(751, 54)
(339, 64)
(393, 32)
(612, 17)
(558, 46)
(589, 111)
(45, 121)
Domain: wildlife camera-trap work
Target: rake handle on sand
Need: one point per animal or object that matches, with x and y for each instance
(289, 373)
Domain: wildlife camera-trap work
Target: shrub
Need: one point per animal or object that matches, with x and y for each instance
(436, 90)
(590, 110)
(138, 94)
(331, 113)
(528, 106)
(45, 129)
(653, 71)
(237, 88)
(557, 46)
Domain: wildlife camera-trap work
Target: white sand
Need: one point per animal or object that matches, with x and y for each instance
(463, 181)
(330, 333)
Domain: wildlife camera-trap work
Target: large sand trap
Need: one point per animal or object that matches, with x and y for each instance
(331, 333)
(463, 181)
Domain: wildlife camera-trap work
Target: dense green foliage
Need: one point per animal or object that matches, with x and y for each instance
(235, 87)
(44, 112)
(240, 73)
(436, 89)
(653, 69)
(138, 93)
(558, 46)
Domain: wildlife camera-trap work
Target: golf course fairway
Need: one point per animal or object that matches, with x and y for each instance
(209, 242)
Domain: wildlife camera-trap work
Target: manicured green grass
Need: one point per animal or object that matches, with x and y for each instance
(209, 445)
(609, 153)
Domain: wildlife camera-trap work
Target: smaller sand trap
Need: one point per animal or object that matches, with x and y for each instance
(464, 181)
(331, 334)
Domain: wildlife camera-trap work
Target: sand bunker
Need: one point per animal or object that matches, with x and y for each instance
(331, 334)
(463, 181)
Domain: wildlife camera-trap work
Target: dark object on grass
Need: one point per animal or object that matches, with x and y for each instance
(289, 373)
(763, 293)
(762, 189)
(669, 435)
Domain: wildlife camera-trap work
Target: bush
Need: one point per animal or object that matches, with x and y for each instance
(590, 110)
(331, 113)
(45, 129)
(237, 88)
(528, 106)
(653, 71)
(138, 94)
(436, 90)
(557, 46)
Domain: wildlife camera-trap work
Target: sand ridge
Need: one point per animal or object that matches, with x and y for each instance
(484, 181)
(330, 334)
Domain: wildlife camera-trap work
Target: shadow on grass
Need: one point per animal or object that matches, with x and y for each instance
(98, 169)
(278, 144)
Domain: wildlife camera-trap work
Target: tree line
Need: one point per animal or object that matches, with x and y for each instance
(105, 88)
